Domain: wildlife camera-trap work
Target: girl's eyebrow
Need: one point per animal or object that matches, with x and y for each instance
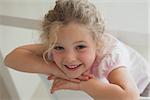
(73, 43)
(79, 42)
(58, 44)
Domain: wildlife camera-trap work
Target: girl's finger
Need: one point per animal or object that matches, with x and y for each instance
(51, 77)
(56, 84)
(83, 78)
(86, 77)
(55, 87)
(75, 80)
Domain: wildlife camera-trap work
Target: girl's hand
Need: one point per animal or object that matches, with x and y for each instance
(52, 77)
(84, 77)
(60, 84)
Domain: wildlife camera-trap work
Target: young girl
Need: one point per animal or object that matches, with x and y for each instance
(78, 55)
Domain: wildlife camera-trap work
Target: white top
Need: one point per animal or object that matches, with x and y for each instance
(118, 54)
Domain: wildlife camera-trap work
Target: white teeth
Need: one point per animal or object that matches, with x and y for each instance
(72, 66)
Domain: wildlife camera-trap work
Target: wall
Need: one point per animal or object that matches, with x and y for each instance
(118, 14)
(6, 83)
(149, 30)
(3, 91)
(124, 16)
(0, 37)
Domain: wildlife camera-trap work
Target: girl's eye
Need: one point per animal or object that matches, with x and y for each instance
(80, 47)
(58, 48)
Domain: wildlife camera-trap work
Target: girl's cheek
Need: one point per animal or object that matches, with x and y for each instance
(56, 56)
(55, 53)
(86, 56)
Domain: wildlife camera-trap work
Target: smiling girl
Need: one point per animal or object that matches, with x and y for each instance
(78, 55)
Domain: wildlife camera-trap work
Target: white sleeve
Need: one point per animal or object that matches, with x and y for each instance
(117, 57)
(139, 69)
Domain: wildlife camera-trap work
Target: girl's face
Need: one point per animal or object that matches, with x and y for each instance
(75, 50)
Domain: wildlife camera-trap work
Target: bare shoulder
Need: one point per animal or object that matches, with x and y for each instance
(34, 48)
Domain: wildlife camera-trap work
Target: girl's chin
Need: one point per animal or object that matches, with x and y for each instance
(73, 75)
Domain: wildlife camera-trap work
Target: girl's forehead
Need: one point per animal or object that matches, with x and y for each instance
(73, 30)
(72, 33)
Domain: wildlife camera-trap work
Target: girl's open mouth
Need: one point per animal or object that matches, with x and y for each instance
(72, 67)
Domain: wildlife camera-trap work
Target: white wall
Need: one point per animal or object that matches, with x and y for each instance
(0, 37)
(149, 31)
(129, 15)
(25, 8)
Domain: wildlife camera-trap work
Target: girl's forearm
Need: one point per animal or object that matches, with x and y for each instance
(26, 61)
(104, 91)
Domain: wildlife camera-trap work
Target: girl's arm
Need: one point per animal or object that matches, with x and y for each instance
(29, 58)
(121, 87)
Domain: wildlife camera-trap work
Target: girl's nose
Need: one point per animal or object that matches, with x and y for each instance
(70, 56)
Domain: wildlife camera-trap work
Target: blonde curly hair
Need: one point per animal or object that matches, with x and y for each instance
(65, 11)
